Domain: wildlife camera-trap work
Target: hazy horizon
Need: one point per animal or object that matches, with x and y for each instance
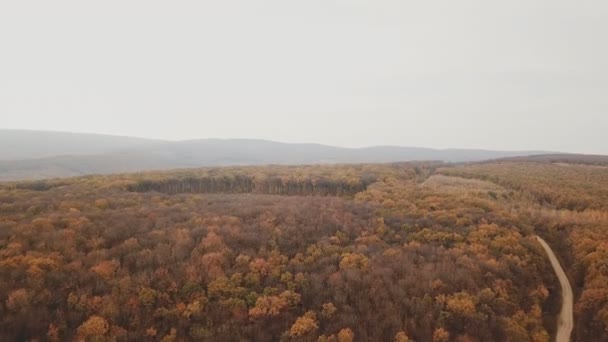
(261, 139)
(507, 76)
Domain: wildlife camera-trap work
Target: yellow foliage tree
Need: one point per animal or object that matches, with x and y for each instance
(346, 335)
(304, 325)
(441, 335)
(267, 306)
(354, 260)
(94, 327)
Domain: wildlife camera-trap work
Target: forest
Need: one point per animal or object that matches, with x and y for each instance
(418, 251)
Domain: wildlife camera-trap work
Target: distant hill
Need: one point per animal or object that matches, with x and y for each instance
(41, 154)
(24, 144)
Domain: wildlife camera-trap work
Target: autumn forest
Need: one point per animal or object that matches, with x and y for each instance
(419, 251)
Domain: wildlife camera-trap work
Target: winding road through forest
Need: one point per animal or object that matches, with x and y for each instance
(565, 322)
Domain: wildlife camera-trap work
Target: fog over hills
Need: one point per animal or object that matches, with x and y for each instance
(41, 154)
(26, 144)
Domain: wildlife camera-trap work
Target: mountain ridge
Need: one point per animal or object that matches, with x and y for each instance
(30, 155)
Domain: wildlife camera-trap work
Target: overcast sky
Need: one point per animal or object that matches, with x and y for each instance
(529, 74)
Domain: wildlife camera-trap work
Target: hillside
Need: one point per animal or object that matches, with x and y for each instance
(374, 252)
(39, 155)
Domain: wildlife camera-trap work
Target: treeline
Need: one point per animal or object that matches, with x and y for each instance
(245, 184)
(583, 159)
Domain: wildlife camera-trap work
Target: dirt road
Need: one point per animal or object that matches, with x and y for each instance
(565, 322)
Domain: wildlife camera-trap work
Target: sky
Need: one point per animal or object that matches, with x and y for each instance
(508, 75)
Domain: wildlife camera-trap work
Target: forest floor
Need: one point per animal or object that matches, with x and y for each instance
(566, 321)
